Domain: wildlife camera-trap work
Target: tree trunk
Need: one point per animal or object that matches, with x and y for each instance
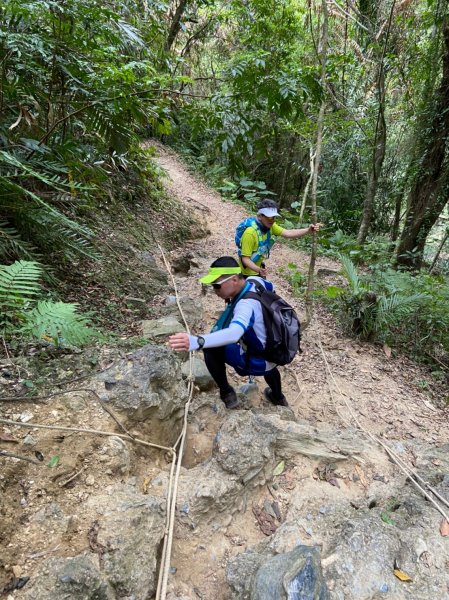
(438, 252)
(429, 193)
(380, 140)
(175, 24)
(397, 218)
(286, 174)
(316, 165)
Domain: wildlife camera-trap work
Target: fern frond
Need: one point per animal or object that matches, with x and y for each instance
(59, 322)
(19, 282)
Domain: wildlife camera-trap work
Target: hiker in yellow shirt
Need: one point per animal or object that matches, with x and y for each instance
(255, 237)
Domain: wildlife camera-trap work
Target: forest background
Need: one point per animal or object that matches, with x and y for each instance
(338, 110)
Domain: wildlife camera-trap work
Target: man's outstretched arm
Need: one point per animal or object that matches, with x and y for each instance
(297, 233)
(183, 342)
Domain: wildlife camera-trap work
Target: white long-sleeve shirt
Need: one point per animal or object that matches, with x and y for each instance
(247, 314)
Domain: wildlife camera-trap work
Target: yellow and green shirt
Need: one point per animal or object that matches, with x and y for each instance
(250, 244)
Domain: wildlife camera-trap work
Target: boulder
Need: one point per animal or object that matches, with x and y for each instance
(148, 387)
(126, 537)
(165, 326)
(245, 446)
(77, 578)
(131, 528)
(191, 308)
(294, 575)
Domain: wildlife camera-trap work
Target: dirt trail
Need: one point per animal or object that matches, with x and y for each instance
(43, 517)
(386, 394)
(389, 395)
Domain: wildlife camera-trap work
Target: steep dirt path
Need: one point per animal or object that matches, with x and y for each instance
(389, 395)
(48, 512)
(386, 394)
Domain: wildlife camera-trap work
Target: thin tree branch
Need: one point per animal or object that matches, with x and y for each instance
(12, 455)
(309, 181)
(110, 99)
(316, 162)
(344, 13)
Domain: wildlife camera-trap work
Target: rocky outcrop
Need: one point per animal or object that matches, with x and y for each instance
(362, 546)
(77, 578)
(124, 545)
(295, 575)
(246, 449)
(153, 329)
(147, 387)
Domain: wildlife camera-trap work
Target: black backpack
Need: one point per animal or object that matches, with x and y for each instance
(282, 325)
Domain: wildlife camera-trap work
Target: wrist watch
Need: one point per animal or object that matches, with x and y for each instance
(200, 341)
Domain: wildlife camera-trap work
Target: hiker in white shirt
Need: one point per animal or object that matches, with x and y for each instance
(238, 337)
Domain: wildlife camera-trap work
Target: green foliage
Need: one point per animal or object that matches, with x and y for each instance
(22, 314)
(343, 181)
(263, 91)
(296, 278)
(82, 80)
(24, 184)
(78, 82)
(246, 191)
(375, 307)
(391, 506)
(58, 323)
(19, 283)
(405, 311)
(338, 242)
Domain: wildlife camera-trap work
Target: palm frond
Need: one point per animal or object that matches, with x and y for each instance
(391, 309)
(109, 127)
(13, 246)
(24, 169)
(130, 35)
(350, 272)
(49, 227)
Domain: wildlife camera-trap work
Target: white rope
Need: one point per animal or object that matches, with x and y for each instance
(30, 425)
(161, 592)
(410, 474)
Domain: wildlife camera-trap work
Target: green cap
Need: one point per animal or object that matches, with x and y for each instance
(216, 272)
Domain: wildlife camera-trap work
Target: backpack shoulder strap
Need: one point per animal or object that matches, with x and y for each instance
(226, 316)
(259, 287)
(263, 244)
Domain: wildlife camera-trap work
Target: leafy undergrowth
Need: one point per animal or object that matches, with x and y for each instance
(136, 216)
(123, 285)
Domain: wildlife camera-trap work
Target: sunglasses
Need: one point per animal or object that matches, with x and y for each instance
(217, 286)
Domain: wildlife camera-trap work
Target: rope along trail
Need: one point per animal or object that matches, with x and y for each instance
(417, 481)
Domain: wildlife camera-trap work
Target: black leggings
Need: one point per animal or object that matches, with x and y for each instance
(215, 363)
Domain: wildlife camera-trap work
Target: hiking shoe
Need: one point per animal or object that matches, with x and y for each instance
(268, 393)
(231, 400)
